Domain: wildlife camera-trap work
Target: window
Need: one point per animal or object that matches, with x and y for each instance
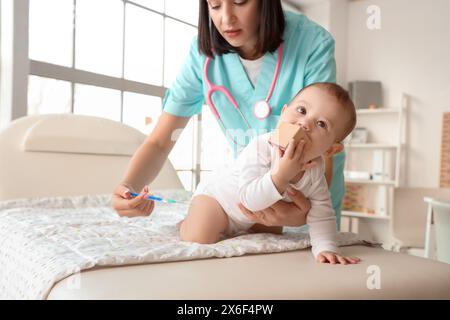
(99, 36)
(178, 39)
(97, 101)
(186, 10)
(114, 59)
(141, 111)
(143, 45)
(214, 146)
(157, 5)
(51, 31)
(48, 95)
(183, 157)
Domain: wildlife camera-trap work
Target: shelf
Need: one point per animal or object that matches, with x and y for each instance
(355, 214)
(378, 111)
(371, 146)
(363, 181)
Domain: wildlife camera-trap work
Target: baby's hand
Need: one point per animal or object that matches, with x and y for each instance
(334, 258)
(287, 165)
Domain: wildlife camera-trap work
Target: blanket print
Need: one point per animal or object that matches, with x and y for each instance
(44, 240)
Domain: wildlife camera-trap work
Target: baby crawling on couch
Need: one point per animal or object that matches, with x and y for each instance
(263, 171)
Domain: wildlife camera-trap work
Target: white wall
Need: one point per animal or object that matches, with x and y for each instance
(318, 12)
(338, 27)
(411, 54)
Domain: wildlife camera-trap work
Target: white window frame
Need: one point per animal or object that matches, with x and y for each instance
(14, 64)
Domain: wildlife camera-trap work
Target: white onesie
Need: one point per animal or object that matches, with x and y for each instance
(248, 181)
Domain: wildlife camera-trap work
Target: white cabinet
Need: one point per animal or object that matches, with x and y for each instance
(373, 169)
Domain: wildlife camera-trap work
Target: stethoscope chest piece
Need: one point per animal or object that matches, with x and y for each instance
(261, 110)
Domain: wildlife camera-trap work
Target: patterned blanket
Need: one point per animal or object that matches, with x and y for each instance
(44, 240)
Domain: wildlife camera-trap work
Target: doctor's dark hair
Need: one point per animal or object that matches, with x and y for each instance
(271, 30)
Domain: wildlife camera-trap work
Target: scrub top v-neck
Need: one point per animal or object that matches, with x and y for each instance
(252, 68)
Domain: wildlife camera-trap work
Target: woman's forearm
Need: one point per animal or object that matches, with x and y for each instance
(150, 157)
(144, 166)
(295, 217)
(289, 214)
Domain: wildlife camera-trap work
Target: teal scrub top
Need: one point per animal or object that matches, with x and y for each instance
(308, 57)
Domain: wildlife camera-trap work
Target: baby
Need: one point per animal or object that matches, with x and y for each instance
(263, 171)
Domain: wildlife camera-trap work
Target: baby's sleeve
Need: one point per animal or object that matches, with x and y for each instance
(256, 188)
(321, 217)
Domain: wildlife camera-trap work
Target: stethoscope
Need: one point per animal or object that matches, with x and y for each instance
(261, 109)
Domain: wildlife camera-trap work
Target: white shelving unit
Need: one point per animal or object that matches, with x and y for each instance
(371, 182)
(387, 144)
(355, 214)
(378, 111)
(371, 145)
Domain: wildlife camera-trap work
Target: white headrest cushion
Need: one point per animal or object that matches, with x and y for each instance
(71, 133)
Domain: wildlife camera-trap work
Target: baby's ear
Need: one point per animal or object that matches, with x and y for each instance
(284, 107)
(333, 149)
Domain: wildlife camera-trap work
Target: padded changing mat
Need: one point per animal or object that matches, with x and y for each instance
(44, 240)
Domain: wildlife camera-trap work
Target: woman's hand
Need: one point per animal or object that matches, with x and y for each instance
(127, 206)
(282, 213)
(334, 258)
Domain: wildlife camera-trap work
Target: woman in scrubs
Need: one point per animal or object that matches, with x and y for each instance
(243, 38)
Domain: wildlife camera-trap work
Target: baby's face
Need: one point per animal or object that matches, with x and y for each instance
(318, 114)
